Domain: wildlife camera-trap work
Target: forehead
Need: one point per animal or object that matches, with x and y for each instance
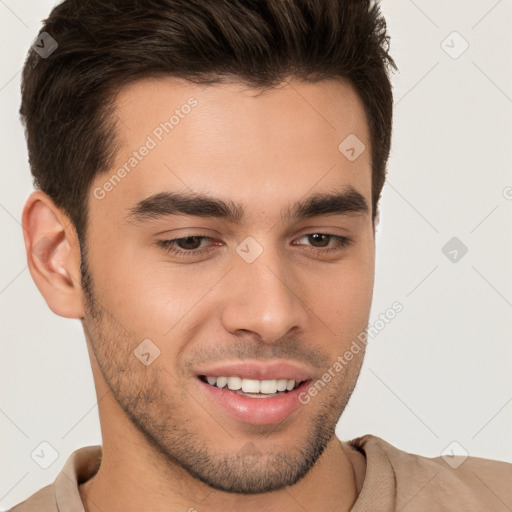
(260, 147)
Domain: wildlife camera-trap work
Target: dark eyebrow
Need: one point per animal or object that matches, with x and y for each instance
(165, 204)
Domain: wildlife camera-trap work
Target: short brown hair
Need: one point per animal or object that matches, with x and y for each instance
(68, 97)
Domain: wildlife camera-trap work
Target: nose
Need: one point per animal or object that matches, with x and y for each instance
(264, 298)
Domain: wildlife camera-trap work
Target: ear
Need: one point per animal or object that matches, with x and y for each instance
(53, 255)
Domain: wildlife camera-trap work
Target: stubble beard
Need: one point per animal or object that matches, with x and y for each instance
(162, 419)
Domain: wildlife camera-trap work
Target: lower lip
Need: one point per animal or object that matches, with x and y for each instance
(257, 411)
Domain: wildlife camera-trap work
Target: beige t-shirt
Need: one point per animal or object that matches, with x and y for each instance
(394, 480)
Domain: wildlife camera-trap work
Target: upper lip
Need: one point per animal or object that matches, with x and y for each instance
(257, 370)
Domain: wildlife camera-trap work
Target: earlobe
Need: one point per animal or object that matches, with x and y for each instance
(53, 254)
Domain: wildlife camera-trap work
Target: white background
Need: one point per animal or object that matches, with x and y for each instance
(440, 371)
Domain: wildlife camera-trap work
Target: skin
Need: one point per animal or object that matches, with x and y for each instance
(165, 445)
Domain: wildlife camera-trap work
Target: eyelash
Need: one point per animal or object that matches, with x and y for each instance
(169, 245)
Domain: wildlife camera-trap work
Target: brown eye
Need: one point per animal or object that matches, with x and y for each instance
(317, 238)
(189, 243)
(322, 242)
(186, 246)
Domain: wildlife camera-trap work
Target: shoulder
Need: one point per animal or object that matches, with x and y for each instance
(466, 483)
(44, 499)
(63, 494)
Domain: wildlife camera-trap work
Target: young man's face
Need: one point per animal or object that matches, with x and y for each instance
(265, 295)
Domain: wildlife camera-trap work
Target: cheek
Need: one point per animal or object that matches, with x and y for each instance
(159, 301)
(346, 297)
(347, 308)
(131, 296)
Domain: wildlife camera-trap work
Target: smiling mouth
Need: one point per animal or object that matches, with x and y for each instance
(251, 387)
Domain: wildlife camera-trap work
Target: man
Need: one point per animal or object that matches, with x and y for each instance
(208, 179)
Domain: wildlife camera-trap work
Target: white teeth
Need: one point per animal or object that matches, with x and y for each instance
(267, 387)
(281, 384)
(250, 386)
(221, 381)
(234, 383)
